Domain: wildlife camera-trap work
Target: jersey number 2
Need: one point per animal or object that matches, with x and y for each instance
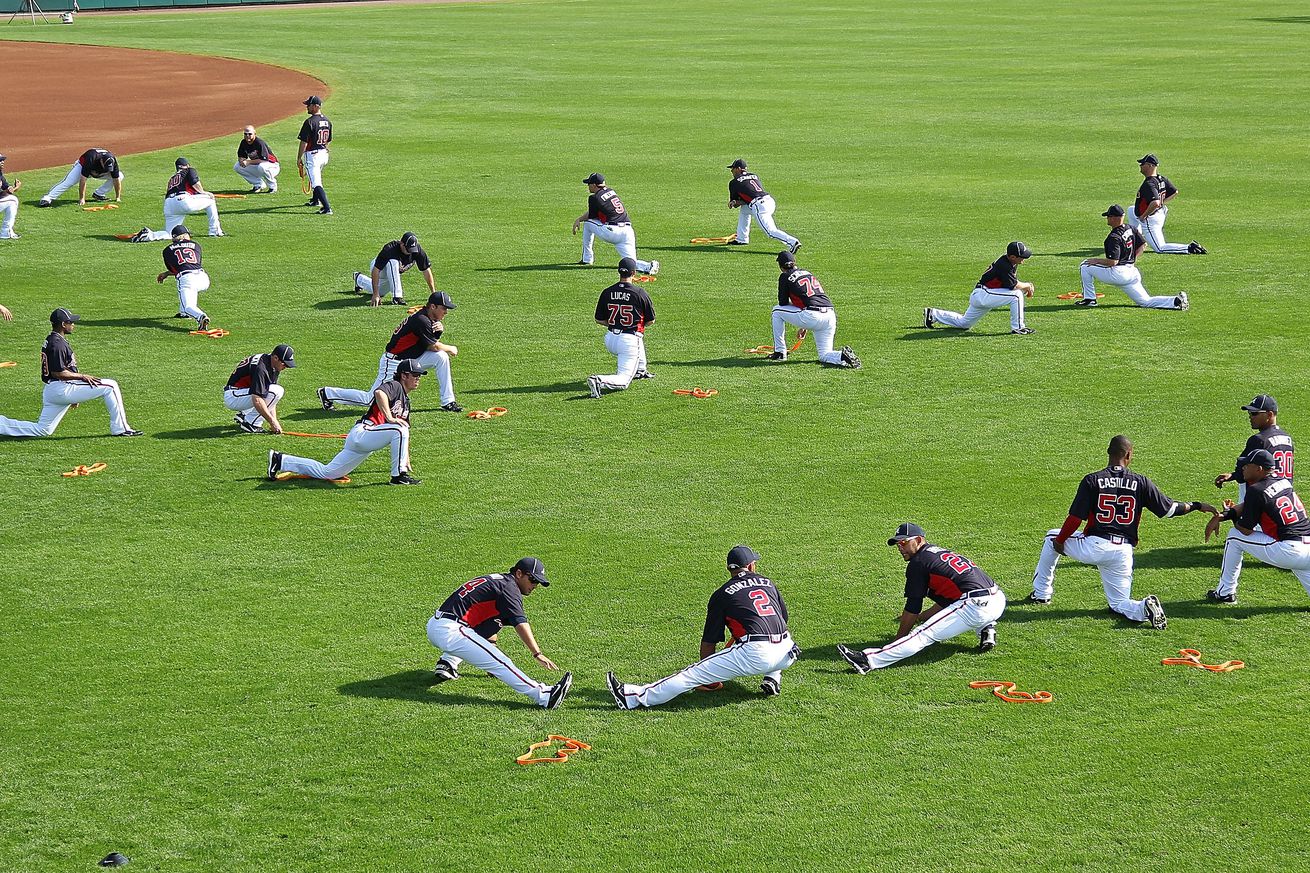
(760, 600)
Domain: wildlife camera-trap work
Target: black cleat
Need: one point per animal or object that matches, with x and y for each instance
(616, 690)
(325, 211)
(1155, 612)
(737, 242)
(274, 464)
(96, 195)
(443, 672)
(452, 406)
(769, 687)
(323, 399)
(1214, 596)
(927, 318)
(776, 356)
(987, 638)
(559, 691)
(130, 432)
(311, 203)
(858, 660)
(203, 323)
(1023, 331)
(1033, 598)
(246, 426)
(1195, 248)
(643, 374)
(1086, 301)
(849, 359)
(405, 479)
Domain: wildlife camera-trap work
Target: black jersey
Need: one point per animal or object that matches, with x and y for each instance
(746, 188)
(393, 252)
(606, 207)
(185, 181)
(4, 186)
(1122, 244)
(182, 257)
(1273, 507)
(413, 337)
(253, 376)
(486, 604)
(56, 356)
(942, 576)
(745, 605)
(1112, 501)
(1276, 442)
(799, 288)
(625, 307)
(316, 132)
(98, 163)
(397, 399)
(255, 150)
(1003, 273)
(1155, 187)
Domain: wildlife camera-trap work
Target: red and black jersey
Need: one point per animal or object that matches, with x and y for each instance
(253, 376)
(316, 132)
(98, 163)
(606, 207)
(1273, 507)
(5, 190)
(184, 181)
(625, 307)
(1003, 273)
(1123, 243)
(413, 337)
(255, 150)
(392, 251)
(1112, 501)
(942, 577)
(747, 604)
(1155, 187)
(746, 188)
(799, 288)
(397, 399)
(486, 604)
(182, 257)
(1276, 442)
(56, 356)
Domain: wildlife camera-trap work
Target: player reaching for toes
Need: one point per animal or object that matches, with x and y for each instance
(803, 302)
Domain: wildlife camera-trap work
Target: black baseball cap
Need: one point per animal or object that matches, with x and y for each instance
(409, 366)
(595, 179)
(627, 266)
(180, 229)
(786, 258)
(906, 531)
(2, 159)
(315, 100)
(1259, 457)
(181, 162)
(1018, 249)
(1262, 403)
(440, 298)
(1149, 159)
(1115, 210)
(60, 315)
(533, 567)
(740, 557)
(739, 164)
(409, 239)
(285, 354)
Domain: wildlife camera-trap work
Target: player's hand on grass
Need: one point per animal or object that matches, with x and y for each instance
(6, 314)
(545, 662)
(161, 277)
(374, 300)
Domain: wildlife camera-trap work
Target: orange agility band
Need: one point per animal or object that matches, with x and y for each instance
(713, 240)
(230, 196)
(84, 470)
(213, 333)
(699, 393)
(1005, 691)
(765, 348)
(570, 747)
(1074, 295)
(643, 278)
(1192, 658)
(4, 364)
(483, 415)
(284, 476)
(101, 208)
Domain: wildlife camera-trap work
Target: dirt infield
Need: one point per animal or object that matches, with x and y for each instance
(61, 100)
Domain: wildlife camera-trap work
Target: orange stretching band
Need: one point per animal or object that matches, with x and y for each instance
(713, 240)
(643, 278)
(1074, 295)
(570, 746)
(699, 393)
(284, 476)
(84, 470)
(230, 196)
(100, 208)
(213, 333)
(483, 415)
(4, 364)
(1192, 658)
(1005, 691)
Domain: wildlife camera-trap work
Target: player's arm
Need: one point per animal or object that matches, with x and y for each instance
(162, 276)
(577, 222)
(15, 185)
(384, 403)
(81, 191)
(200, 189)
(70, 376)
(524, 630)
(376, 276)
(427, 277)
(715, 624)
(5, 313)
(269, 414)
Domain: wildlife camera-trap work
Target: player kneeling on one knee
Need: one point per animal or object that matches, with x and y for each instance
(964, 599)
(803, 302)
(252, 391)
(750, 608)
(999, 286)
(625, 311)
(467, 623)
(1119, 268)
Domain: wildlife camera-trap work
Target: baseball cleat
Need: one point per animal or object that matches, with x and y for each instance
(643, 374)
(987, 638)
(1033, 598)
(1023, 331)
(927, 318)
(218, 233)
(1214, 595)
(142, 235)
(616, 690)
(1155, 612)
(443, 672)
(858, 660)
(770, 687)
(1181, 301)
(583, 264)
(405, 479)
(323, 399)
(738, 242)
(274, 464)
(593, 383)
(776, 356)
(325, 211)
(43, 203)
(452, 406)
(311, 202)
(1195, 248)
(202, 323)
(256, 190)
(181, 315)
(131, 432)
(98, 196)
(240, 421)
(358, 276)
(794, 248)
(654, 268)
(1086, 301)
(559, 691)
(398, 301)
(12, 235)
(849, 358)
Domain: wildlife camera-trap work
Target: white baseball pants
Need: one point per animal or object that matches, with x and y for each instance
(178, 206)
(1153, 230)
(243, 402)
(74, 176)
(362, 441)
(621, 236)
(761, 208)
(820, 322)
(453, 638)
(982, 301)
(8, 212)
(438, 363)
(261, 175)
(1126, 278)
(1291, 555)
(962, 616)
(189, 286)
(630, 350)
(58, 397)
(761, 658)
(1114, 560)
(315, 161)
(388, 281)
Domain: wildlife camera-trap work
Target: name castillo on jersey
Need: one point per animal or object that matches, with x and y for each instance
(746, 188)
(746, 605)
(316, 132)
(1273, 507)
(941, 576)
(397, 400)
(1122, 244)
(1112, 501)
(182, 257)
(1153, 188)
(486, 604)
(799, 288)
(626, 308)
(606, 207)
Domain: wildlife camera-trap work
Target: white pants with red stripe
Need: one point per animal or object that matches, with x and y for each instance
(388, 281)
(314, 162)
(761, 658)
(243, 402)
(630, 351)
(437, 363)
(1153, 230)
(982, 301)
(261, 174)
(8, 212)
(972, 614)
(1291, 555)
(621, 236)
(1126, 278)
(58, 397)
(821, 323)
(1114, 560)
(189, 286)
(74, 176)
(178, 206)
(362, 440)
(761, 209)
(461, 642)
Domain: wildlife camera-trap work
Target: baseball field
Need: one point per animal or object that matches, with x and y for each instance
(203, 669)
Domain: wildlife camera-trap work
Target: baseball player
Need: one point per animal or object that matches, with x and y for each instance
(385, 424)
(65, 387)
(1111, 501)
(747, 194)
(803, 302)
(999, 286)
(964, 599)
(417, 339)
(312, 157)
(93, 164)
(183, 196)
(465, 627)
(395, 258)
(8, 203)
(182, 261)
(625, 311)
(252, 391)
(750, 608)
(256, 163)
(607, 218)
(1148, 213)
(1263, 411)
(1117, 268)
(1270, 524)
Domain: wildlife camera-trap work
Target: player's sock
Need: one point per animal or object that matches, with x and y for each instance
(322, 197)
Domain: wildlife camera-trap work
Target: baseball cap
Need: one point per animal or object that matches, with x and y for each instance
(741, 556)
(595, 179)
(2, 159)
(441, 298)
(1018, 249)
(60, 315)
(1149, 159)
(786, 258)
(181, 162)
(285, 354)
(627, 266)
(1116, 210)
(1262, 403)
(906, 531)
(739, 164)
(409, 366)
(314, 100)
(534, 568)
(409, 238)
(180, 229)
(1259, 457)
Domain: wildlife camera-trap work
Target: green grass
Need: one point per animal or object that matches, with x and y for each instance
(199, 665)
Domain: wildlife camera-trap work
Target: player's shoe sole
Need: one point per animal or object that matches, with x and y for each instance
(616, 690)
(849, 359)
(1181, 301)
(203, 323)
(1214, 596)
(274, 464)
(654, 268)
(796, 248)
(1195, 248)
(1023, 331)
(1040, 601)
(1155, 612)
(927, 318)
(357, 289)
(858, 660)
(593, 385)
(987, 638)
(559, 691)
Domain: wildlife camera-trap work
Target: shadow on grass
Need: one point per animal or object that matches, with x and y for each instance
(527, 268)
(1180, 557)
(1206, 609)
(347, 300)
(734, 692)
(552, 388)
(413, 686)
(1286, 19)
(963, 645)
(298, 207)
(263, 483)
(743, 360)
(166, 322)
(1075, 253)
(742, 250)
(199, 433)
(108, 237)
